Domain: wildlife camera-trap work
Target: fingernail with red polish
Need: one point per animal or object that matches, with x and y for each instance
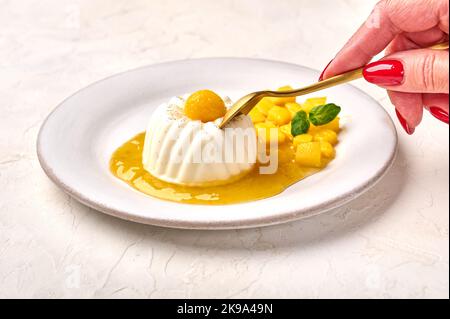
(439, 113)
(405, 125)
(385, 72)
(323, 72)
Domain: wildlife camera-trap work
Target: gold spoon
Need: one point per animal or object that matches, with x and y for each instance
(245, 104)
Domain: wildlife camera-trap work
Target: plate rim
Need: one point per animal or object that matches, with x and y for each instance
(212, 225)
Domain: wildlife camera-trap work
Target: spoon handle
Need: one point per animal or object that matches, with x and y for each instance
(325, 84)
(335, 80)
(244, 105)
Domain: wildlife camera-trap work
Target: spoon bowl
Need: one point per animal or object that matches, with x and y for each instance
(242, 106)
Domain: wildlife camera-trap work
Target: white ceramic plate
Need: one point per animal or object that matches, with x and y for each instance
(77, 139)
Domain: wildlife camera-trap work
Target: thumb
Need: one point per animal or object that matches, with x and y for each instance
(413, 71)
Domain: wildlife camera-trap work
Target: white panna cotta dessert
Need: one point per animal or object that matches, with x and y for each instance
(184, 144)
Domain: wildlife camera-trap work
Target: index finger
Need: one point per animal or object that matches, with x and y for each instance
(387, 20)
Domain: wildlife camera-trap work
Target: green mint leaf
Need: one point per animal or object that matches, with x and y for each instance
(323, 114)
(300, 123)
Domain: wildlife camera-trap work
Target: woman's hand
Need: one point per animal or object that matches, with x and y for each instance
(414, 77)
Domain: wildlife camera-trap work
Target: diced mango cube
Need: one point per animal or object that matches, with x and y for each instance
(333, 125)
(325, 135)
(293, 108)
(270, 123)
(265, 125)
(256, 115)
(286, 129)
(282, 100)
(327, 149)
(302, 138)
(310, 103)
(309, 154)
(279, 115)
(265, 105)
(313, 129)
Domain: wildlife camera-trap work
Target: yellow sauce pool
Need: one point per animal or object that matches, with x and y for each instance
(126, 164)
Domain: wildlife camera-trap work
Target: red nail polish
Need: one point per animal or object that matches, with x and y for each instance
(384, 72)
(323, 72)
(405, 125)
(439, 113)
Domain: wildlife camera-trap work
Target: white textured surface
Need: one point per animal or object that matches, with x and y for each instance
(391, 242)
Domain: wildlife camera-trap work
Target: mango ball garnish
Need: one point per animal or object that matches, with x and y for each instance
(204, 105)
